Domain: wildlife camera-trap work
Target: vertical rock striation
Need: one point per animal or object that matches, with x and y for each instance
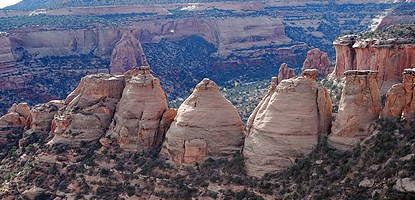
(142, 115)
(286, 124)
(206, 125)
(359, 107)
(317, 59)
(127, 54)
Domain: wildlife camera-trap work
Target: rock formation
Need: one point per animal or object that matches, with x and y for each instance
(317, 59)
(127, 54)
(206, 125)
(400, 98)
(388, 57)
(41, 115)
(142, 115)
(359, 107)
(12, 125)
(283, 128)
(285, 73)
(88, 110)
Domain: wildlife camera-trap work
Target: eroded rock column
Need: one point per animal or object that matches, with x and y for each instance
(359, 108)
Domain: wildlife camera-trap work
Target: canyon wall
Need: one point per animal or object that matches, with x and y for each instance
(389, 58)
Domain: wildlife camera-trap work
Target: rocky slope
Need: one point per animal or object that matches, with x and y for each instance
(207, 125)
(282, 128)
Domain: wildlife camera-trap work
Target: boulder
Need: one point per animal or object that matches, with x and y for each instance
(142, 115)
(283, 128)
(206, 125)
(88, 110)
(405, 185)
(359, 108)
(285, 73)
(317, 59)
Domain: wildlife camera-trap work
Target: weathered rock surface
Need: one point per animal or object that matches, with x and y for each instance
(88, 110)
(317, 59)
(389, 57)
(142, 115)
(127, 54)
(42, 115)
(206, 125)
(400, 98)
(285, 73)
(359, 107)
(282, 128)
(405, 185)
(12, 125)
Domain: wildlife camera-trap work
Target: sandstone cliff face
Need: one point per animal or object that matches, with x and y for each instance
(317, 59)
(400, 98)
(283, 128)
(41, 115)
(6, 54)
(389, 58)
(127, 54)
(142, 115)
(359, 107)
(206, 125)
(285, 73)
(88, 110)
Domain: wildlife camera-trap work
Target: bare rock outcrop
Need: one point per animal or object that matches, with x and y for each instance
(285, 73)
(388, 57)
(127, 54)
(359, 107)
(400, 98)
(41, 115)
(88, 110)
(12, 125)
(317, 59)
(142, 115)
(282, 128)
(206, 125)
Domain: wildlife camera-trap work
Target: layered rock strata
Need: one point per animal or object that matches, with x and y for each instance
(388, 57)
(206, 125)
(142, 117)
(285, 73)
(88, 110)
(400, 98)
(286, 124)
(317, 59)
(359, 108)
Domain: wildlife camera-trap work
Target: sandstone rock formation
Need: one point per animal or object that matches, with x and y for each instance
(12, 125)
(88, 110)
(142, 115)
(359, 107)
(127, 54)
(285, 73)
(206, 125)
(400, 98)
(317, 59)
(389, 57)
(283, 128)
(41, 115)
